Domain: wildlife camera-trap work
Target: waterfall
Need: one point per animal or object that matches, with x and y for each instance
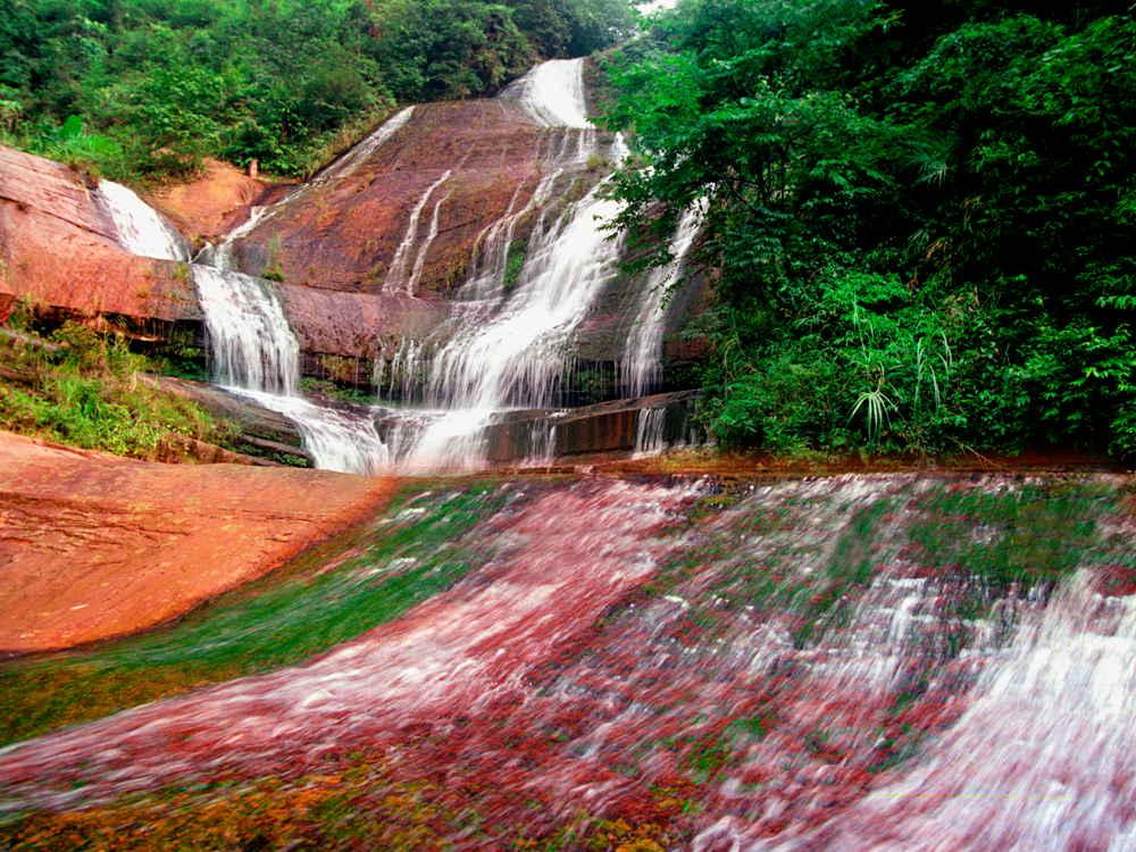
(141, 229)
(254, 352)
(251, 343)
(353, 159)
(397, 278)
(491, 248)
(650, 437)
(511, 350)
(641, 367)
(553, 94)
(507, 346)
(256, 355)
(517, 359)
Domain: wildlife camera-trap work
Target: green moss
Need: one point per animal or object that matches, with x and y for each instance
(706, 758)
(1027, 535)
(331, 390)
(515, 263)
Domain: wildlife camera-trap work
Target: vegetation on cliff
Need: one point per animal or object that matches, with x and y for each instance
(86, 390)
(923, 215)
(141, 88)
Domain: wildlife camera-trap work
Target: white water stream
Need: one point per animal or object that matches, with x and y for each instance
(399, 279)
(254, 352)
(141, 229)
(641, 366)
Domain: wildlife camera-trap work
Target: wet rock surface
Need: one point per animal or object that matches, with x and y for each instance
(603, 428)
(343, 233)
(836, 662)
(264, 432)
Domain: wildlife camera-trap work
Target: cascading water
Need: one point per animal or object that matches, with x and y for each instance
(252, 346)
(650, 431)
(1066, 695)
(256, 355)
(353, 159)
(508, 346)
(399, 279)
(253, 349)
(511, 350)
(553, 94)
(141, 229)
(641, 366)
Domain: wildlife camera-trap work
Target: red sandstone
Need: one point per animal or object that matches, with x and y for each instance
(93, 546)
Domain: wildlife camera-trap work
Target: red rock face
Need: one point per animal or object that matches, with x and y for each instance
(344, 234)
(207, 207)
(58, 250)
(93, 546)
(353, 325)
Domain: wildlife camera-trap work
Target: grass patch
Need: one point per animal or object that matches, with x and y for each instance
(515, 263)
(80, 388)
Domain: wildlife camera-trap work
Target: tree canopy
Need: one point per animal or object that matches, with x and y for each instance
(148, 87)
(923, 215)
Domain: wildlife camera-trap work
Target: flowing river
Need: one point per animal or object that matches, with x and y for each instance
(849, 662)
(904, 661)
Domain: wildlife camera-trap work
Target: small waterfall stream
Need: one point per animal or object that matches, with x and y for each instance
(641, 366)
(254, 352)
(141, 229)
(399, 277)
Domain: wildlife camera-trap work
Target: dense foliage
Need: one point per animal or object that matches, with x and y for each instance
(86, 390)
(923, 215)
(148, 87)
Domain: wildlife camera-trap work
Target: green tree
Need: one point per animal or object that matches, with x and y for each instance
(921, 215)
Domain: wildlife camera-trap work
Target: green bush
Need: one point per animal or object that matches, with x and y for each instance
(84, 389)
(922, 216)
